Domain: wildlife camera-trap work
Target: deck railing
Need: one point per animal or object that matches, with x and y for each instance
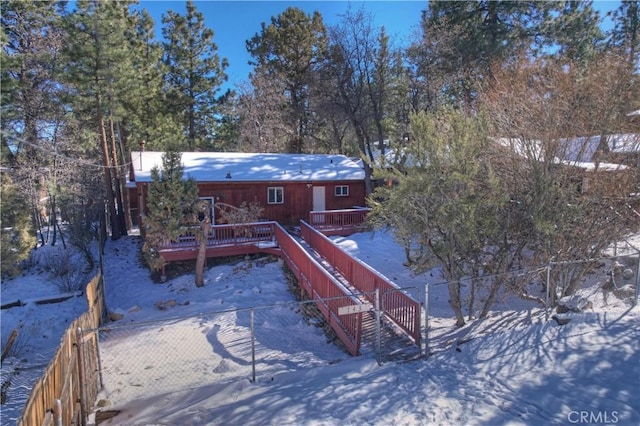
(397, 306)
(316, 282)
(339, 222)
(319, 284)
(224, 235)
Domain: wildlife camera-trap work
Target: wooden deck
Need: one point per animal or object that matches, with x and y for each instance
(339, 222)
(259, 237)
(329, 291)
(225, 240)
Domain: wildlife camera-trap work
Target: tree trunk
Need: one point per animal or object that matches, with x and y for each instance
(116, 172)
(122, 140)
(37, 220)
(57, 225)
(53, 219)
(201, 260)
(115, 228)
(455, 301)
(491, 296)
(453, 284)
(472, 298)
(365, 149)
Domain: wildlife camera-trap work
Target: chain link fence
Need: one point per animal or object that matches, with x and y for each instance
(145, 360)
(522, 298)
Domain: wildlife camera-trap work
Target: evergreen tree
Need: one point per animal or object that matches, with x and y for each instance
(575, 31)
(32, 111)
(144, 115)
(227, 132)
(193, 77)
(171, 203)
(16, 233)
(463, 40)
(100, 72)
(445, 200)
(289, 51)
(32, 41)
(625, 34)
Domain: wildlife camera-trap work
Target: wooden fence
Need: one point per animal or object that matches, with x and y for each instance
(71, 382)
(396, 305)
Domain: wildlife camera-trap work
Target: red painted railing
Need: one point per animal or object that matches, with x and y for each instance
(338, 222)
(318, 284)
(396, 305)
(226, 234)
(329, 294)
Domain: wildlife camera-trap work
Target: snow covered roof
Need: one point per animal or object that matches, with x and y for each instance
(580, 150)
(252, 167)
(522, 147)
(591, 166)
(583, 149)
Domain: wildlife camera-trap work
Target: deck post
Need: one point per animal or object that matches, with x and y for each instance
(253, 348)
(378, 332)
(546, 307)
(635, 300)
(426, 320)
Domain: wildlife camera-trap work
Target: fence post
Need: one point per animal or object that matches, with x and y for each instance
(57, 412)
(378, 331)
(635, 301)
(253, 348)
(98, 357)
(426, 319)
(547, 292)
(81, 381)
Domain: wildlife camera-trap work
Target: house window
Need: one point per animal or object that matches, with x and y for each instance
(275, 195)
(342, 191)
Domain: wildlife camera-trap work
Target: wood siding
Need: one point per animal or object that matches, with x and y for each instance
(298, 197)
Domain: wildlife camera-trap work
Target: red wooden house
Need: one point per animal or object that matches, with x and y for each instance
(287, 186)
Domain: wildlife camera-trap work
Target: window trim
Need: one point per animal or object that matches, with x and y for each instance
(276, 190)
(341, 191)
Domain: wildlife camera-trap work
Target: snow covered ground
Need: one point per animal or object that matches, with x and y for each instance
(513, 368)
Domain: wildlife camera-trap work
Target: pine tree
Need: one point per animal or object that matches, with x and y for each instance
(33, 113)
(575, 32)
(626, 32)
(100, 72)
(194, 75)
(289, 51)
(171, 203)
(144, 116)
(462, 41)
(16, 232)
(446, 198)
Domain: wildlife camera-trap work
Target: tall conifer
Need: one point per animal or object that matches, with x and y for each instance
(171, 203)
(193, 77)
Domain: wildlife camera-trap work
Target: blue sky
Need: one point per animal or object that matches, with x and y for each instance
(234, 22)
